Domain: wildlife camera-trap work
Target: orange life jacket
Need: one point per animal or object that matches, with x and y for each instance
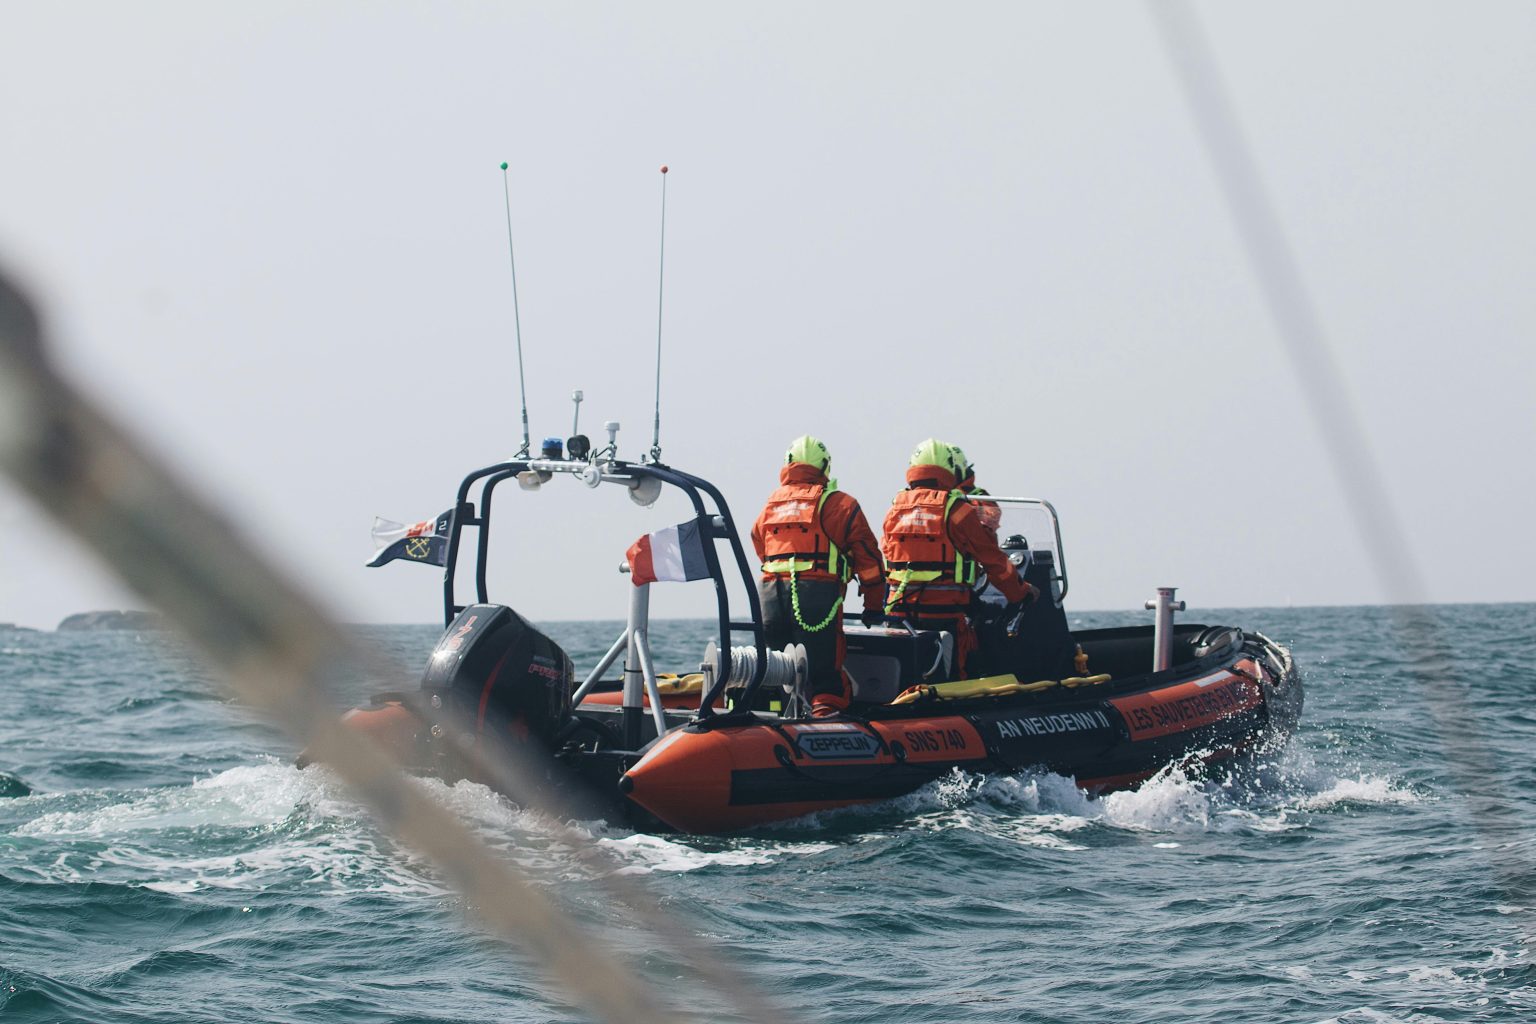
(927, 574)
(794, 542)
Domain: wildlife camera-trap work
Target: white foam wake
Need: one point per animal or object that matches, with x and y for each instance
(270, 824)
(1044, 809)
(248, 827)
(266, 824)
(243, 797)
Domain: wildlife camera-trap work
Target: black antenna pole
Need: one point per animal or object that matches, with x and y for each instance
(661, 280)
(517, 322)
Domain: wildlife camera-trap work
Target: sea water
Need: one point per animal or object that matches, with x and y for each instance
(162, 860)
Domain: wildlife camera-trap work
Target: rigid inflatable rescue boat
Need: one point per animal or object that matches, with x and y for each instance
(727, 744)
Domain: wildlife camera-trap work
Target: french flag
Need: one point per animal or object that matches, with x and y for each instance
(674, 554)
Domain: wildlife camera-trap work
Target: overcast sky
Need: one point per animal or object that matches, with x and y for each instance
(271, 237)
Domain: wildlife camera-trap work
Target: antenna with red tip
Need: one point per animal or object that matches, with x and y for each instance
(660, 291)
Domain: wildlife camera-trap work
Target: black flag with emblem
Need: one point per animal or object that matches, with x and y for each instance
(426, 541)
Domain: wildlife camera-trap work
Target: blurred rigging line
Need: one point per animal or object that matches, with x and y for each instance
(279, 651)
(1324, 387)
(1321, 382)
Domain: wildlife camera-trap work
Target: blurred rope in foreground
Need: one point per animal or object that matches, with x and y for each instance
(279, 650)
(1326, 391)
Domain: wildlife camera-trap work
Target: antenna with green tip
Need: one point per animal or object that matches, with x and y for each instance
(517, 323)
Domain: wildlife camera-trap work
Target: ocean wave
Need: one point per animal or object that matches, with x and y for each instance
(542, 844)
(1364, 791)
(33, 995)
(1039, 808)
(253, 827)
(642, 854)
(241, 797)
(167, 962)
(246, 828)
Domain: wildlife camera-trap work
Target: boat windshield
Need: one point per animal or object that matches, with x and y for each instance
(1034, 521)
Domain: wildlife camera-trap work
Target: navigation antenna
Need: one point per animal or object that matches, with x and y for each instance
(661, 280)
(517, 323)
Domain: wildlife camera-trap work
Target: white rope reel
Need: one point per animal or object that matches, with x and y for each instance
(786, 669)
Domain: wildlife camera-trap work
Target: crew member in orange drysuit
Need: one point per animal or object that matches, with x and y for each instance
(812, 539)
(989, 609)
(988, 512)
(934, 541)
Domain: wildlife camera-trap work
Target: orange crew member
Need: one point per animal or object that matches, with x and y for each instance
(933, 543)
(812, 539)
(990, 514)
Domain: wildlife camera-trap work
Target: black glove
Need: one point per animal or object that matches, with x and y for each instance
(872, 617)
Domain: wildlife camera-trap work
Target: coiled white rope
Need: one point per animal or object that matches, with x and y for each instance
(784, 670)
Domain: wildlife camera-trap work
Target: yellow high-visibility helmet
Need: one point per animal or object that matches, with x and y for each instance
(934, 452)
(809, 450)
(963, 468)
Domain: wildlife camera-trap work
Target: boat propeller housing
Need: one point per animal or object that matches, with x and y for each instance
(494, 675)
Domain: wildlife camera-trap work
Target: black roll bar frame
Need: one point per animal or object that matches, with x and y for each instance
(714, 525)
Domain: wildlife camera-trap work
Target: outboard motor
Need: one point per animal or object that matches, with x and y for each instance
(496, 676)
